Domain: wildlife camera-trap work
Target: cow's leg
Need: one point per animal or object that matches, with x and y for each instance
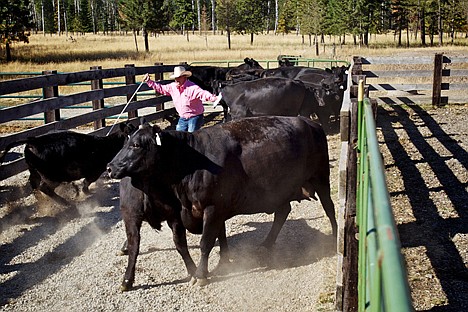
(212, 225)
(85, 187)
(124, 249)
(223, 251)
(180, 240)
(323, 115)
(281, 214)
(87, 182)
(132, 229)
(223, 246)
(323, 190)
(34, 178)
(48, 189)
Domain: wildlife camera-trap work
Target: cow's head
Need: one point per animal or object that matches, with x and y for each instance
(138, 155)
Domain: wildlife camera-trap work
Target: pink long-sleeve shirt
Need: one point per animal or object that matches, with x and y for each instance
(187, 99)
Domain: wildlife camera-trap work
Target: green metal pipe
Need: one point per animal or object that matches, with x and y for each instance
(394, 276)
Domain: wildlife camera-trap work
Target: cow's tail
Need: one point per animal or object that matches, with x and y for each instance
(10, 146)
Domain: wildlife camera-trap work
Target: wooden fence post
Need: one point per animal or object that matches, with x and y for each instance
(350, 269)
(130, 79)
(50, 92)
(158, 76)
(97, 84)
(437, 82)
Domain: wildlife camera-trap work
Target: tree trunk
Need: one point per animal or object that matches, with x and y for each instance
(58, 18)
(8, 51)
(423, 27)
(228, 31)
(316, 45)
(135, 38)
(407, 35)
(276, 16)
(43, 20)
(441, 32)
(251, 38)
(145, 37)
(199, 15)
(213, 15)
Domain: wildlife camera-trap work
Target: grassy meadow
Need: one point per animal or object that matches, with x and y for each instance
(53, 52)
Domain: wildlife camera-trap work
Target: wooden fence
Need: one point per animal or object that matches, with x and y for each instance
(52, 104)
(437, 80)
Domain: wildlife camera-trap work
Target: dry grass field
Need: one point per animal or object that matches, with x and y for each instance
(53, 52)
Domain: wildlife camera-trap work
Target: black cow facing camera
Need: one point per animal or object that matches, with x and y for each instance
(196, 181)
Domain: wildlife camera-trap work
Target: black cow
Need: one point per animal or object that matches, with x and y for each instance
(244, 69)
(271, 96)
(207, 76)
(201, 179)
(67, 156)
(332, 81)
(249, 63)
(204, 76)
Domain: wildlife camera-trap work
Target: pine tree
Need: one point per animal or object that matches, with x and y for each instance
(15, 23)
(84, 17)
(183, 16)
(226, 16)
(249, 17)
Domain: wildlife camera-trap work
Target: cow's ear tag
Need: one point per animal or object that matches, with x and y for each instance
(158, 139)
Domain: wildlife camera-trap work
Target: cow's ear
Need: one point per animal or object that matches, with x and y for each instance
(127, 128)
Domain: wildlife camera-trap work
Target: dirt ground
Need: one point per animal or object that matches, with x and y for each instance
(426, 161)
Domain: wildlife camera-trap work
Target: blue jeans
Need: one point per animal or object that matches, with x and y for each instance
(190, 124)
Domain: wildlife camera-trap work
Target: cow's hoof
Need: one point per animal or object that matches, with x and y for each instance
(126, 286)
(199, 282)
(122, 252)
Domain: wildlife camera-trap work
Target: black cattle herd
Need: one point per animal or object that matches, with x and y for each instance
(272, 152)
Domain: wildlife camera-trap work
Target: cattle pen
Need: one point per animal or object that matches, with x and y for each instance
(351, 283)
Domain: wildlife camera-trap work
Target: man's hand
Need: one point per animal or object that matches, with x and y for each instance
(218, 99)
(146, 77)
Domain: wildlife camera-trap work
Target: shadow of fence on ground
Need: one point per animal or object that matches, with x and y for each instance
(430, 230)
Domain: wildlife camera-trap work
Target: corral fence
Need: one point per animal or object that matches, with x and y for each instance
(366, 253)
(415, 79)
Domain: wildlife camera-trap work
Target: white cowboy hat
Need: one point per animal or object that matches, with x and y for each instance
(180, 71)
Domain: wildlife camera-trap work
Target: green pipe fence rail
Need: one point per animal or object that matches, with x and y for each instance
(382, 277)
(297, 60)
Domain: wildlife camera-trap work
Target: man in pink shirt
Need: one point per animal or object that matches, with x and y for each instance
(187, 98)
